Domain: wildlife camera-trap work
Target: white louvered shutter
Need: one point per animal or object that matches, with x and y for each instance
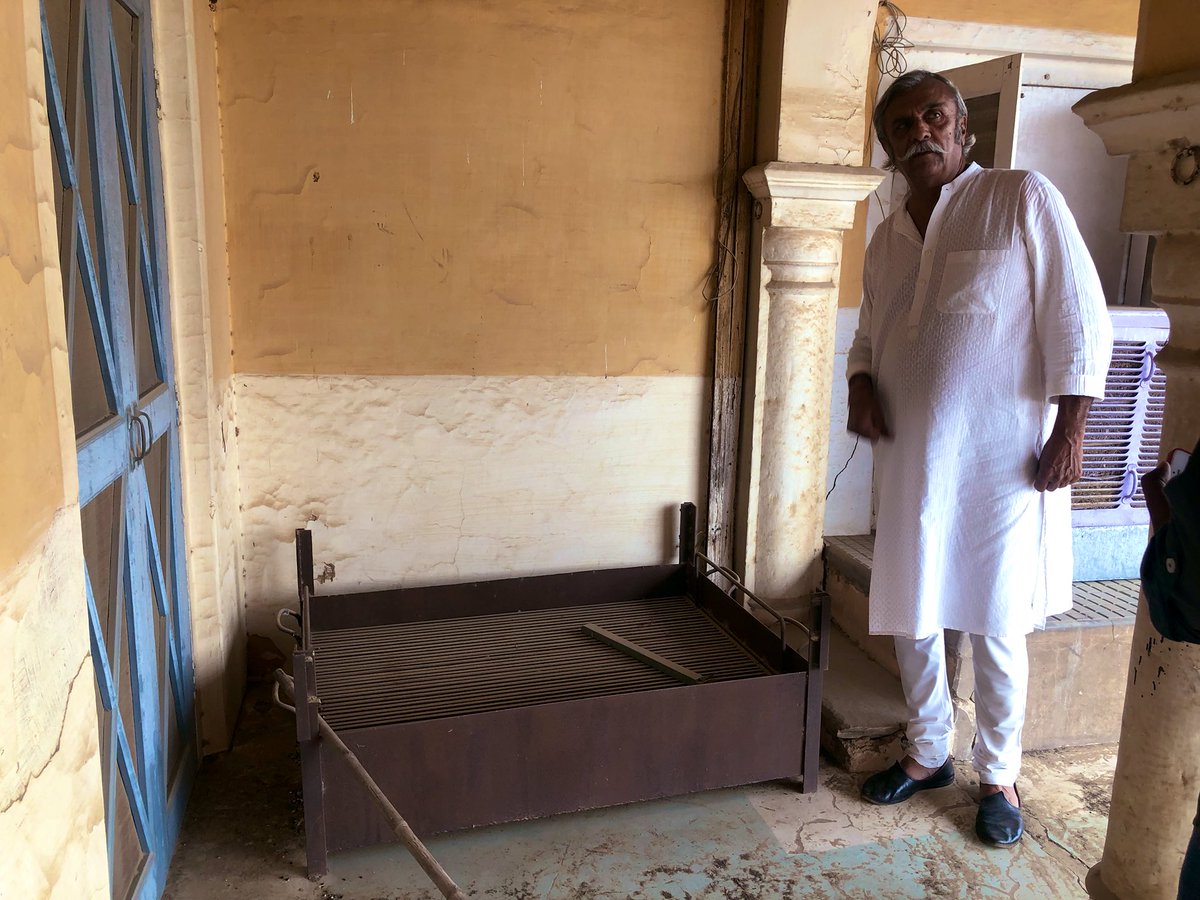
(1125, 429)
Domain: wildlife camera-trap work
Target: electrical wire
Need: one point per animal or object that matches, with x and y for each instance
(890, 46)
(725, 191)
(845, 467)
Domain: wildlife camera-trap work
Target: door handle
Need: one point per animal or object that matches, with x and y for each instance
(149, 433)
(139, 446)
(137, 443)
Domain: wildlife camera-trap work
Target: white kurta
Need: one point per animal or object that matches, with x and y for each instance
(969, 334)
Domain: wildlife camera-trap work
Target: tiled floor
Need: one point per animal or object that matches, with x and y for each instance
(242, 839)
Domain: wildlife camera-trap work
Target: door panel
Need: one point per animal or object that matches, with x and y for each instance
(991, 90)
(99, 74)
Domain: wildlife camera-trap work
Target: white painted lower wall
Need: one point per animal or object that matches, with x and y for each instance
(432, 479)
(211, 515)
(51, 794)
(848, 509)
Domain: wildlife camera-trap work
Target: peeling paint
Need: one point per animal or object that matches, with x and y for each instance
(422, 480)
(51, 798)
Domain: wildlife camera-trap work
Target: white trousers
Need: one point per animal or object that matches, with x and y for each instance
(1001, 683)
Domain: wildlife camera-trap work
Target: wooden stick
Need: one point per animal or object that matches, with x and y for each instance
(638, 652)
(407, 836)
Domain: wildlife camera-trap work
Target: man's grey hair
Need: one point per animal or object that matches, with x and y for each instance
(907, 82)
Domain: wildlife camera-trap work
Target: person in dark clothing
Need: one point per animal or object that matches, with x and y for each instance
(1171, 583)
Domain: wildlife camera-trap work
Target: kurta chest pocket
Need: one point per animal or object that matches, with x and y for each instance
(972, 282)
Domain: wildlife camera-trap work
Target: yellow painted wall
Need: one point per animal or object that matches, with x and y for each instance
(1106, 16)
(51, 797)
(1167, 38)
(30, 450)
(467, 187)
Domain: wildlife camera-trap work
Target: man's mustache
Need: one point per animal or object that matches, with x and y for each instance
(922, 147)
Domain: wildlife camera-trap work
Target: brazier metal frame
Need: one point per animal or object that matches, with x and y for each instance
(528, 760)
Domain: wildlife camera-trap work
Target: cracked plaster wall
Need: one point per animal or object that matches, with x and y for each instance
(51, 798)
(422, 480)
(823, 95)
(470, 187)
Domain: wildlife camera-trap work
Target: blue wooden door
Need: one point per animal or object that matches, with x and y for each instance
(103, 121)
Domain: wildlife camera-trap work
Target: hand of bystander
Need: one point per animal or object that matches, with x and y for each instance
(866, 413)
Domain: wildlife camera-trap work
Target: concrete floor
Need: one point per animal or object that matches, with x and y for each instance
(242, 838)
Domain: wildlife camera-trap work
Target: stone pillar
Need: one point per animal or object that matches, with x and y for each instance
(803, 210)
(1155, 121)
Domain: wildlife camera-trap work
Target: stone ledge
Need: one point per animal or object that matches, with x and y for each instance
(1096, 603)
(863, 713)
(1077, 672)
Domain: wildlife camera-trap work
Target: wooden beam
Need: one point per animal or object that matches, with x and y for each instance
(728, 285)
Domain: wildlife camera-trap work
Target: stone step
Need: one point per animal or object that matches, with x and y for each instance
(862, 709)
(1077, 665)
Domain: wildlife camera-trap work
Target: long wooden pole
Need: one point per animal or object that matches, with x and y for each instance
(403, 831)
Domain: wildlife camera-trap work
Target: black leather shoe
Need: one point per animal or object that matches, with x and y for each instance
(895, 786)
(998, 822)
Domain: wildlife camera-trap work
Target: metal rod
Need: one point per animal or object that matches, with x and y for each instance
(562, 613)
(454, 631)
(550, 669)
(389, 715)
(549, 666)
(687, 533)
(782, 620)
(358, 684)
(407, 836)
(296, 635)
(443, 707)
(638, 652)
(453, 655)
(305, 586)
(489, 639)
(446, 704)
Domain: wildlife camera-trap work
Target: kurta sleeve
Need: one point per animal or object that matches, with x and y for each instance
(858, 360)
(1070, 315)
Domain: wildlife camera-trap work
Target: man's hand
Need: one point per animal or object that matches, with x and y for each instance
(1061, 462)
(866, 415)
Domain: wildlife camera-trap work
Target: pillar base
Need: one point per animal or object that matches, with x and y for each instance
(1095, 886)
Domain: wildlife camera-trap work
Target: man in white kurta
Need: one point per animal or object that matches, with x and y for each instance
(982, 337)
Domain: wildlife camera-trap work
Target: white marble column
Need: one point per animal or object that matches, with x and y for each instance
(803, 210)
(1156, 121)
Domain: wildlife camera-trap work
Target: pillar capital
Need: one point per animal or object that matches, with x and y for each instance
(809, 195)
(1156, 122)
